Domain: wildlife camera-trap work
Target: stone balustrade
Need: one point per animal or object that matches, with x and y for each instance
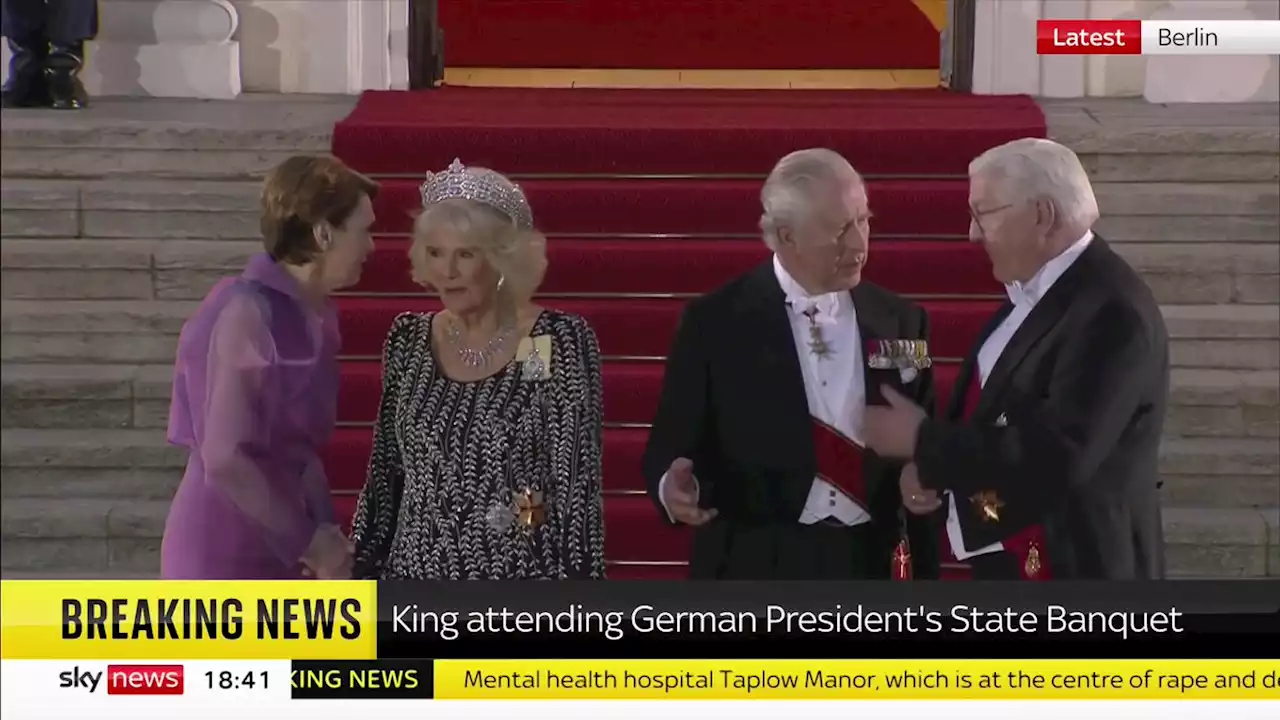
(213, 48)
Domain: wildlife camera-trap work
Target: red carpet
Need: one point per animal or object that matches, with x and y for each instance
(628, 248)
(681, 34)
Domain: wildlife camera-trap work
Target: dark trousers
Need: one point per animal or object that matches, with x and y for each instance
(725, 550)
(996, 566)
(35, 25)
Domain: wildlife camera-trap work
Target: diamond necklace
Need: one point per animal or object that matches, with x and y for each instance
(476, 358)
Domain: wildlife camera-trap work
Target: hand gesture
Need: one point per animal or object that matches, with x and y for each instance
(680, 494)
(915, 498)
(891, 430)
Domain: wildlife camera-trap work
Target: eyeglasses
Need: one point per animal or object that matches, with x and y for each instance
(977, 215)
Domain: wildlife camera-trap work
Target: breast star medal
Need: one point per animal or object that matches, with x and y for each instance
(988, 504)
(526, 510)
(530, 512)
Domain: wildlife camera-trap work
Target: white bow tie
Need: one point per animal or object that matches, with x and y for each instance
(823, 307)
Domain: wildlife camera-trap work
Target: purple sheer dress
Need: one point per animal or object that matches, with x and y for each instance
(254, 400)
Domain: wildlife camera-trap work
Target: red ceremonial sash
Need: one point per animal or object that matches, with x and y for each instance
(839, 462)
(1027, 545)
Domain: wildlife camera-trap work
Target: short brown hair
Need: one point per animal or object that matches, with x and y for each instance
(302, 192)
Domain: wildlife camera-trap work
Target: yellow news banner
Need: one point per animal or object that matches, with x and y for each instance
(179, 620)
(857, 679)
(161, 620)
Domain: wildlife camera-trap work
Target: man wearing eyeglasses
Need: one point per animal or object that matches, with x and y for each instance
(1046, 461)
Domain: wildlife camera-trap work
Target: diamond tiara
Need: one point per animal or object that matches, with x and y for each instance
(478, 185)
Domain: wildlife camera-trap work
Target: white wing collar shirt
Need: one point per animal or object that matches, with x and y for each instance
(834, 384)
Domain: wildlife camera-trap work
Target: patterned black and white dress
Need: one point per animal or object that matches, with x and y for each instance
(497, 479)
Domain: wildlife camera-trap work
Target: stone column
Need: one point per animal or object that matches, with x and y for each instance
(1004, 47)
(323, 46)
(165, 48)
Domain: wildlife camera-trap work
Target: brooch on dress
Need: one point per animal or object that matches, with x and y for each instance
(526, 510)
(534, 356)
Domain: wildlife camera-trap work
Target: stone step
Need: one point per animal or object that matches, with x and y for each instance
(85, 396)
(183, 138)
(171, 137)
(129, 209)
(72, 269)
(105, 331)
(1220, 456)
(1224, 336)
(145, 331)
(27, 159)
(139, 463)
(1189, 167)
(1125, 126)
(74, 535)
(123, 535)
(1224, 403)
(112, 269)
(1207, 273)
(1188, 198)
(1220, 491)
(1218, 403)
(1222, 542)
(1192, 229)
(1131, 212)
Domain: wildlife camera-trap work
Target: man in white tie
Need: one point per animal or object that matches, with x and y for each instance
(1047, 457)
(758, 437)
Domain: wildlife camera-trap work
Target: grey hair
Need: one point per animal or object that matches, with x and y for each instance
(1033, 168)
(787, 195)
(519, 256)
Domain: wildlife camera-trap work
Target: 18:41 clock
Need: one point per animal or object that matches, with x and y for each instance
(227, 680)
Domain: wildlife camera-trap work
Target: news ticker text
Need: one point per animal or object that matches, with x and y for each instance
(1157, 37)
(156, 620)
(694, 679)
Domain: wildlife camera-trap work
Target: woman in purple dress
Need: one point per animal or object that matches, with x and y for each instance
(255, 390)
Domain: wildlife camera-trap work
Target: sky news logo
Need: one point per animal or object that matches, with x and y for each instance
(126, 679)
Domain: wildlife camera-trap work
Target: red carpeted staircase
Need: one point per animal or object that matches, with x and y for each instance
(688, 34)
(650, 197)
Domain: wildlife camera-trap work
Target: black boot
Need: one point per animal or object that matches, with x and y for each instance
(26, 86)
(62, 76)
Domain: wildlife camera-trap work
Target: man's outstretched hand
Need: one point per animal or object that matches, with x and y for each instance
(891, 430)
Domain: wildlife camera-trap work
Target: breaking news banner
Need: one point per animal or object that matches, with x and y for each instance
(1158, 37)
(79, 646)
